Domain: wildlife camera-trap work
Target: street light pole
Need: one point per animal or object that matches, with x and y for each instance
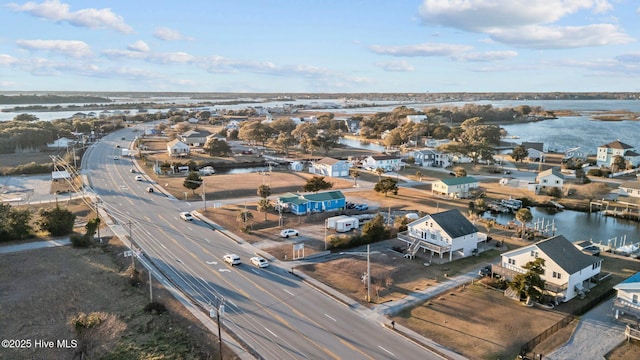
(325, 234)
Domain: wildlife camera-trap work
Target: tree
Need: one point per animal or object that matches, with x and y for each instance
(217, 147)
(244, 217)
(387, 185)
(193, 181)
(264, 204)
(316, 184)
(618, 163)
(595, 190)
(530, 284)
(524, 216)
(519, 153)
(57, 221)
(460, 171)
(379, 171)
(25, 117)
(14, 224)
(327, 140)
(419, 175)
(284, 141)
(375, 230)
(354, 174)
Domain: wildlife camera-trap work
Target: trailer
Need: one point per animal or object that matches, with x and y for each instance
(331, 222)
(347, 224)
(126, 152)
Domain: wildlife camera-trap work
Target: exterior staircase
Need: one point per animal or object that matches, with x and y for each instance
(413, 249)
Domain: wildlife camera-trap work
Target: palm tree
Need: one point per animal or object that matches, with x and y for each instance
(524, 216)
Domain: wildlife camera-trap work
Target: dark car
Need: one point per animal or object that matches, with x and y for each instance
(485, 271)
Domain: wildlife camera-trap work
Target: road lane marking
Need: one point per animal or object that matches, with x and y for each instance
(179, 261)
(271, 332)
(392, 354)
(212, 263)
(330, 317)
(232, 303)
(224, 270)
(255, 271)
(288, 292)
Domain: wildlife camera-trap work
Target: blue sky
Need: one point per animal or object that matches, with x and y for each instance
(321, 45)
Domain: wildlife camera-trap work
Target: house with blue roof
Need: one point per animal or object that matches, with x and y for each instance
(302, 204)
(627, 300)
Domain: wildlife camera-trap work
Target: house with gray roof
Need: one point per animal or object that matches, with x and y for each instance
(441, 233)
(330, 167)
(195, 137)
(607, 152)
(457, 188)
(630, 188)
(568, 272)
(548, 179)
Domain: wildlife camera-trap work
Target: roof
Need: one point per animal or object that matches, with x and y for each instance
(562, 252)
(384, 157)
(552, 171)
(459, 180)
(328, 161)
(632, 282)
(60, 174)
(616, 145)
(454, 223)
(533, 145)
(193, 133)
(175, 142)
(630, 185)
(631, 153)
(324, 196)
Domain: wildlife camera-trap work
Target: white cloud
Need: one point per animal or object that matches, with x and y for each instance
(556, 37)
(91, 18)
(69, 48)
(486, 56)
(7, 59)
(395, 66)
(427, 49)
(525, 23)
(139, 45)
(167, 34)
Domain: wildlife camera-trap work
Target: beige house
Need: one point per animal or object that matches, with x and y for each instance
(176, 148)
(194, 137)
(551, 178)
(457, 188)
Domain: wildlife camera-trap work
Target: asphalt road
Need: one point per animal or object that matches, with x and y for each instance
(280, 316)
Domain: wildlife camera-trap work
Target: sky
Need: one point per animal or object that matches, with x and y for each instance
(320, 46)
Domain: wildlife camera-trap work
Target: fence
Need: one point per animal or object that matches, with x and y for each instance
(526, 348)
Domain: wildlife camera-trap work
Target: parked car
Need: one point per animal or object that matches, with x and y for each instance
(149, 189)
(259, 261)
(186, 216)
(361, 207)
(232, 259)
(350, 205)
(139, 178)
(132, 170)
(288, 232)
(485, 271)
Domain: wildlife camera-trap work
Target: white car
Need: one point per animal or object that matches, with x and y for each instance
(116, 158)
(259, 261)
(186, 216)
(288, 232)
(139, 178)
(231, 259)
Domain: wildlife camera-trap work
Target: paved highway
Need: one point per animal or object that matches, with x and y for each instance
(274, 312)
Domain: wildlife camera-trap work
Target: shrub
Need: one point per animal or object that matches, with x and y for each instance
(155, 308)
(83, 321)
(80, 241)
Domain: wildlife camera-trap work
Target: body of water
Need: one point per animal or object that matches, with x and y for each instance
(575, 225)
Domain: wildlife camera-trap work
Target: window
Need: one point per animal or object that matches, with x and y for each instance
(634, 299)
(433, 236)
(512, 261)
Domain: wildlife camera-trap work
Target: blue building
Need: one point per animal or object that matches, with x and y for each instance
(301, 204)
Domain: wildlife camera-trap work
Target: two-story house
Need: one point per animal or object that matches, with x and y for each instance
(550, 178)
(457, 188)
(607, 152)
(440, 233)
(535, 151)
(385, 162)
(330, 167)
(424, 157)
(568, 272)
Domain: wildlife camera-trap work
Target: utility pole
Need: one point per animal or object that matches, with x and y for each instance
(98, 217)
(325, 234)
(150, 287)
(218, 310)
(133, 257)
(368, 276)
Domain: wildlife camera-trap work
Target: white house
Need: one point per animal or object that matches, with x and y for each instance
(627, 299)
(416, 118)
(177, 148)
(535, 151)
(386, 162)
(440, 233)
(458, 187)
(567, 271)
(330, 167)
(576, 153)
(194, 137)
(62, 142)
(630, 188)
(607, 152)
(550, 178)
